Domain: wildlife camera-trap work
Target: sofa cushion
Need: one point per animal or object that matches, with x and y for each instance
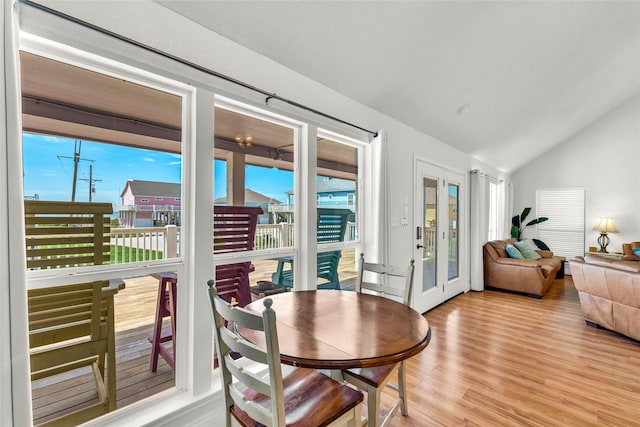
(527, 251)
(499, 246)
(531, 243)
(513, 252)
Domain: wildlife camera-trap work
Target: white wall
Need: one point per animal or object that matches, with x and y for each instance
(604, 158)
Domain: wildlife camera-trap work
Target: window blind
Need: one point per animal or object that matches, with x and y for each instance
(564, 231)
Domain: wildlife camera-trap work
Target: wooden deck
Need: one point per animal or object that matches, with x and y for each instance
(495, 358)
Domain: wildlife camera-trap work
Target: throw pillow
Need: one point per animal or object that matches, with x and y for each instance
(527, 251)
(513, 252)
(637, 251)
(531, 243)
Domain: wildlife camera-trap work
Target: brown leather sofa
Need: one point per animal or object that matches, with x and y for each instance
(532, 277)
(627, 251)
(609, 291)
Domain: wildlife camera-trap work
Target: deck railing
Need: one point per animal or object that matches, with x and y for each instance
(150, 243)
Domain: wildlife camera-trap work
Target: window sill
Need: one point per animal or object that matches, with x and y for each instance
(169, 408)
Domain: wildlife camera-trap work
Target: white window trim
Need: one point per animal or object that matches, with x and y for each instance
(14, 368)
(193, 387)
(187, 364)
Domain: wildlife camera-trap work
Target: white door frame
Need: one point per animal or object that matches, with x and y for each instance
(445, 288)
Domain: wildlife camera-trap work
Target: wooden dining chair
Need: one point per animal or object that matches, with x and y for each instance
(274, 395)
(374, 380)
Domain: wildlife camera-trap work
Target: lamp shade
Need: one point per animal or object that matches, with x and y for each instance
(606, 225)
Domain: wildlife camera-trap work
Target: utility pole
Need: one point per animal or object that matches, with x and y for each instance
(92, 189)
(76, 160)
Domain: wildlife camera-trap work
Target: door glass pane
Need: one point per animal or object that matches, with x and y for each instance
(453, 246)
(429, 240)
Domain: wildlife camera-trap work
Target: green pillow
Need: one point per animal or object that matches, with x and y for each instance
(513, 252)
(527, 251)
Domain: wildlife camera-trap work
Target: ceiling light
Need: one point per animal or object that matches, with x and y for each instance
(244, 141)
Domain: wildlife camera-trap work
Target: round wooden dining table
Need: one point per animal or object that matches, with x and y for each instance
(336, 330)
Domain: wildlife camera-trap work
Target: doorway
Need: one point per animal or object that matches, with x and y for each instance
(439, 220)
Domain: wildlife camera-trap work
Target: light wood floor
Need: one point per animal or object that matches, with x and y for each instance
(502, 359)
(495, 359)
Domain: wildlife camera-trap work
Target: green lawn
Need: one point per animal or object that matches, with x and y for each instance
(122, 255)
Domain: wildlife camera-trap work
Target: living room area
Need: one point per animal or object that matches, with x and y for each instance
(542, 99)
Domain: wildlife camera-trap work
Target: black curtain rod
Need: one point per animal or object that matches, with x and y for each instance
(269, 95)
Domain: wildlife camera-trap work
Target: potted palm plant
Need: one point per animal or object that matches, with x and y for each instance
(518, 225)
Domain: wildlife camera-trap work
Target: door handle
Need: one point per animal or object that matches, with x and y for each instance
(419, 246)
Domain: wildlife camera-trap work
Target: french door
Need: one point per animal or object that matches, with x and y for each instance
(439, 236)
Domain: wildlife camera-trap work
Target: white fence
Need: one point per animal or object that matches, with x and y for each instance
(143, 244)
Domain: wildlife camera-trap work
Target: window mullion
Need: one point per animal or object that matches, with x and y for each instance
(306, 206)
(194, 319)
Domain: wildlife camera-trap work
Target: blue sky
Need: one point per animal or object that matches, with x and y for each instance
(48, 170)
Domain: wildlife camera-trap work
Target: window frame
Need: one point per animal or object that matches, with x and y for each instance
(564, 232)
(200, 94)
(186, 363)
(65, 54)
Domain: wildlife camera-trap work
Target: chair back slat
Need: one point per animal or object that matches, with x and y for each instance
(381, 283)
(237, 378)
(234, 228)
(63, 313)
(66, 234)
(332, 224)
(232, 282)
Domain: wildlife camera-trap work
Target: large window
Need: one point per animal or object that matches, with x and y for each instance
(97, 132)
(563, 233)
(93, 140)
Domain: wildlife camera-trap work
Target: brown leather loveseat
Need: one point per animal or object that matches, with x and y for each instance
(609, 291)
(532, 277)
(628, 253)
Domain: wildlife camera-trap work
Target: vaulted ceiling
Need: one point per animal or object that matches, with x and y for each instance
(501, 81)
